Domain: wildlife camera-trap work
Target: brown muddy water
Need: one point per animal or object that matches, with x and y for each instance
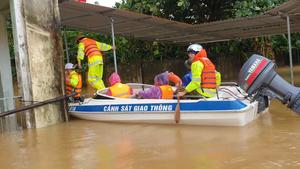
(271, 141)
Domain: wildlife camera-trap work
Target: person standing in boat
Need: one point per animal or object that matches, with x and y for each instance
(92, 50)
(117, 88)
(204, 80)
(162, 90)
(73, 82)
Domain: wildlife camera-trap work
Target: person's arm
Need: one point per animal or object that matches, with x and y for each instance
(80, 54)
(108, 93)
(218, 77)
(195, 83)
(103, 46)
(197, 68)
(131, 91)
(153, 92)
(73, 81)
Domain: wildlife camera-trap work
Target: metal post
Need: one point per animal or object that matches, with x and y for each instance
(113, 39)
(8, 118)
(290, 48)
(1, 122)
(66, 44)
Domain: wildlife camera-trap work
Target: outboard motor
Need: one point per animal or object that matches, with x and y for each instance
(259, 78)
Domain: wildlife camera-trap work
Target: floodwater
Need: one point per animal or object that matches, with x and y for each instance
(271, 141)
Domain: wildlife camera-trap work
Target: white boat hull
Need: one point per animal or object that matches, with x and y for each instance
(218, 112)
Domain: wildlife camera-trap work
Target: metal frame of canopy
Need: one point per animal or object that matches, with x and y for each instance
(145, 27)
(113, 39)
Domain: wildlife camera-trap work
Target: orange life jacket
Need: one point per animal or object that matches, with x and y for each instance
(90, 48)
(208, 77)
(77, 89)
(166, 90)
(175, 79)
(120, 90)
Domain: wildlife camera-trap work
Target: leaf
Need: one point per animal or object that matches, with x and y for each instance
(156, 52)
(153, 9)
(238, 14)
(138, 5)
(257, 8)
(180, 3)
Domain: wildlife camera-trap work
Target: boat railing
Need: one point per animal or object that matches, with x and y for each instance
(229, 83)
(188, 96)
(4, 106)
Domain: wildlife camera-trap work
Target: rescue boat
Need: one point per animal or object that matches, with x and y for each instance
(230, 107)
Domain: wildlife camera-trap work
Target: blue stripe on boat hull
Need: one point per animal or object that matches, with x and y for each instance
(163, 107)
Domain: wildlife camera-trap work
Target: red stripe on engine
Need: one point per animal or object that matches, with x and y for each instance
(257, 70)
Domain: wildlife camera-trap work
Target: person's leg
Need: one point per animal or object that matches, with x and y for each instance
(206, 92)
(95, 76)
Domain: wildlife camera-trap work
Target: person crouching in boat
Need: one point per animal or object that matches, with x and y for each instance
(204, 80)
(188, 77)
(162, 91)
(117, 88)
(74, 82)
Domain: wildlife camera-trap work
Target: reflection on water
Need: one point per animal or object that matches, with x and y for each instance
(272, 141)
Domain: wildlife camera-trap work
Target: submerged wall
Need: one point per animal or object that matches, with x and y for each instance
(39, 59)
(229, 67)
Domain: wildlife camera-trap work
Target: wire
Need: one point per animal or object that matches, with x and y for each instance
(27, 101)
(232, 94)
(239, 91)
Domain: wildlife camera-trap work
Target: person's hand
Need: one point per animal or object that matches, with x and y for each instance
(79, 64)
(113, 48)
(180, 94)
(66, 74)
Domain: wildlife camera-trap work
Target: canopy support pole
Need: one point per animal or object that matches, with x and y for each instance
(66, 44)
(290, 48)
(113, 39)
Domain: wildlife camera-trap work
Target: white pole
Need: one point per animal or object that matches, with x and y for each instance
(290, 48)
(113, 39)
(66, 44)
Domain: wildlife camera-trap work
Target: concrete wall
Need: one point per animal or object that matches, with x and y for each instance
(39, 59)
(6, 85)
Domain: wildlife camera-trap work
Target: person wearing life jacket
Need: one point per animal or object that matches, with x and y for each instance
(117, 88)
(73, 82)
(92, 50)
(175, 79)
(162, 91)
(204, 80)
(188, 77)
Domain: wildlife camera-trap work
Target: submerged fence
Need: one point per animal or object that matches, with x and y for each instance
(8, 123)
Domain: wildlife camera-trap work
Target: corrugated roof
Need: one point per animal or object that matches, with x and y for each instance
(95, 18)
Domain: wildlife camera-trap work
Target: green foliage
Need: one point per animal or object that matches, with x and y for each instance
(255, 7)
(131, 50)
(189, 11)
